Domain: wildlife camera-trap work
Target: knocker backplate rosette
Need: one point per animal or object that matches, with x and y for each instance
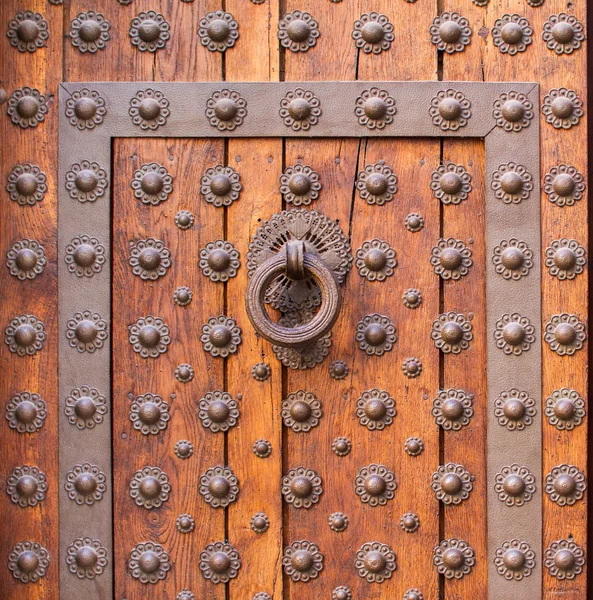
(187, 118)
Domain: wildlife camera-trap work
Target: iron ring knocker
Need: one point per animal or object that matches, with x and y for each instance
(295, 263)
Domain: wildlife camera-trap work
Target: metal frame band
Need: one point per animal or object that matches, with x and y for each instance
(187, 118)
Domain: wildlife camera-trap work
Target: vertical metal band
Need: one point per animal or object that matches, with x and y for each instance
(84, 311)
(514, 377)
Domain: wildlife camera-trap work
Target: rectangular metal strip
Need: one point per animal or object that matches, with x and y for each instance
(187, 102)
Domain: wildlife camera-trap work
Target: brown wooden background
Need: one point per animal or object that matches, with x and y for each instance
(256, 56)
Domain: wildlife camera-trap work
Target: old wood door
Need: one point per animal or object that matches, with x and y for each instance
(294, 303)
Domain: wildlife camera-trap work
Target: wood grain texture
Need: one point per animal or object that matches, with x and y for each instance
(36, 374)
(260, 164)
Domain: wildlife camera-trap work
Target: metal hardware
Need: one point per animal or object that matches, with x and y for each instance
(26, 486)
(86, 558)
(27, 107)
(452, 483)
(375, 485)
(514, 560)
(220, 562)
(409, 522)
(512, 34)
(221, 185)
(85, 109)
(89, 32)
(562, 108)
(184, 373)
(452, 333)
(259, 523)
(301, 487)
(218, 31)
(515, 485)
(149, 414)
(26, 184)
(376, 334)
(372, 33)
(565, 409)
(26, 412)
(512, 259)
(375, 562)
(375, 409)
(149, 259)
(152, 184)
(182, 296)
(25, 335)
(512, 183)
(565, 259)
(28, 31)
(377, 183)
(565, 334)
(28, 561)
(226, 110)
(342, 446)
(375, 260)
(85, 407)
(375, 108)
(514, 409)
(302, 561)
(26, 259)
(150, 487)
(300, 109)
(261, 371)
(219, 486)
(565, 485)
(564, 185)
(218, 411)
(183, 449)
(185, 523)
(298, 31)
(450, 110)
(149, 31)
(564, 559)
(414, 446)
(262, 448)
(454, 558)
(451, 183)
(301, 411)
(341, 592)
(338, 370)
(453, 409)
(149, 562)
(149, 109)
(300, 185)
(451, 259)
(338, 522)
(149, 336)
(513, 111)
(450, 32)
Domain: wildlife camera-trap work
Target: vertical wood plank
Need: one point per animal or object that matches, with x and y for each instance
(259, 162)
(467, 371)
(36, 374)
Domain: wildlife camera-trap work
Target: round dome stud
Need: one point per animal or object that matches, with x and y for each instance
(451, 259)
(86, 331)
(514, 485)
(149, 336)
(409, 522)
(28, 31)
(514, 334)
(226, 110)
(452, 333)
(301, 487)
(300, 185)
(85, 407)
(338, 522)
(218, 411)
(453, 409)
(514, 409)
(564, 559)
(450, 32)
(301, 411)
(342, 446)
(451, 183)
(149, 259)
(150, 487)
(26, 412)
(219, 261)
(565, 485)
(220, 186)
(152, 184)
(184, 219)
(26, 259)
(221, 336)
(89, 32)
(565, 409)
(220, 562)
(25, 335)
(373, 33)
(375, 562)
(185, 523)
(375, 108)
(412, 298)
(513, 111)
(375, 409)
(85, 256)
(259, 523)
(149, 110)
(183, 449)
(414, 446)
(85, 484)
(85, 109)
(26, 184)
(562, 108)
(262, 448)
(564, 185)
(512, 34)
(342, 593)
(86, 558)
(512, 183)
(149, 562)
(184, 373)
(376, 334)
(218, 31)
(454, 558)
(26, 486)
(149, 31)
(27, 107)
(149, 414)
(298, 31)
(414, 222)
(375, 260)
(512, 259)
(219, 486)
(452, 483)
(377, 183)
(300, 109)
(28, 561)
(565, 258)
(302, 561)
(261, 371)
(450, 110)
(565, 334)
(563, 33)
(375, 485)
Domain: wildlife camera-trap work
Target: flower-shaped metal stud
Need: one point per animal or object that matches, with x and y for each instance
(451, 183)
(375, 485)
(86, 331)
(514, 560)
(26, 412)
(514, 409)
(26, 259)
(183, 449)
(27, 107)
(184, 373)
(564, 559)
(451, 259)
(226, 109)
(185, 523)
(450, 110)
(149, 259)
(152, 184)
(512, 259)
(342, 446)
(220, 562)
(376, 334)
(563, 33)
(414, 222)
(412, 298)
(375, 562)
(565, 334)
(565, 409)
(218, 31)
(182, 296)
(85, 407)
(149, 414)
(302, 561)
(414, 446)
(373, 33)
(564, 185)
(565, 484)
(512, 34)
(218, 411)
(452, 409)
(300, 109)
(301, 487)
(262, 448)
(338, 522)
(338, 370)
(26, 486)
(452, 483)
(298, 31)
(375, 260)
(514, 334)
(150, 487)
(89, 32)
(85, 256)
(27, 31)
(85, 484)
(185, 594)
(261, 371)
(562, 108)
(86, 181)
(514, 485)
(149, 336)
(452, 332)
(219, 486)
(219, 260)
(409, 522)
(375, 409)
(513, 111)
(149, 562)
(412, 367)
(221, 185)
(26, 184)
(342, 592)
(149, 109)
(565, 259)
(86, 558)
(221, 336)
(85, 109)
(413, 593)
(375, 108)
(149, 31)
(25, 335)
(300, 185)
(301, 411)
(377, 183)
(28, 562)
(259, 523)
(512, 183)
(450, 32)
(454, 558)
